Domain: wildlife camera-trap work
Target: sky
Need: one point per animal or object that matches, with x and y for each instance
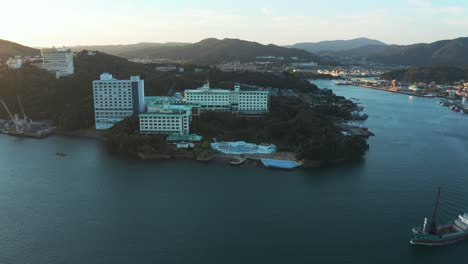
(39, 23)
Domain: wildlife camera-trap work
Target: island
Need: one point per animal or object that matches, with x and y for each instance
(305, 123)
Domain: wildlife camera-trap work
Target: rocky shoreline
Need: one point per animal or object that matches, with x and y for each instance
(201, 157)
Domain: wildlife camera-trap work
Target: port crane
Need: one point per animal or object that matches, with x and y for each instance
(13, 119)
(25, 117)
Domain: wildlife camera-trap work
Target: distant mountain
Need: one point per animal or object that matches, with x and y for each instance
(336, 45)
(445, 52)
(123, 50)
(10, 49)
(206, 52)
(438, 74)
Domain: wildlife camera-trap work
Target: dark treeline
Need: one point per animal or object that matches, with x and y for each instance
(439, 74)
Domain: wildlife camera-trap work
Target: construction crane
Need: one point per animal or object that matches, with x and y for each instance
(25, 117)
(13, 119)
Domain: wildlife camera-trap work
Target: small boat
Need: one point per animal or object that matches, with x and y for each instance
(439, 235)
(60, 154)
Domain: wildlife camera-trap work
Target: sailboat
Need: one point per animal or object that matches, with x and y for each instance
(439, 235)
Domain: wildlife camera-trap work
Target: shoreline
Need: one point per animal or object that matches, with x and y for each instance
(86, 134)
(235, 159)
(395, 91)
(217, 157)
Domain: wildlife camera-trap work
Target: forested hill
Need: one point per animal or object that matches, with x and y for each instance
(10, 49)
(209, 51)
(127, 49)
(445, 52)
(336, 45)
(438, 74)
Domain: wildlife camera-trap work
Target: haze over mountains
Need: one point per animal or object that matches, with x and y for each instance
(336, 45)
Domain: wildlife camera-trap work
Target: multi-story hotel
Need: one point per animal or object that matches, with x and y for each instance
(166, 118)
(115, 99)
(229, 100)
(58, 61)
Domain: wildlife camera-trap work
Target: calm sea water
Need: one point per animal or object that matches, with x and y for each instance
(92, 207)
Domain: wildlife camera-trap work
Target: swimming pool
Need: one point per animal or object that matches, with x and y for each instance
(281, 164)
(242, 147)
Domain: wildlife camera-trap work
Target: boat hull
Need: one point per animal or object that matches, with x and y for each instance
(439, 240)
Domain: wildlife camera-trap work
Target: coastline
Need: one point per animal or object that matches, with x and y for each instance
(191, 155)
(85, 133)
(391, 90)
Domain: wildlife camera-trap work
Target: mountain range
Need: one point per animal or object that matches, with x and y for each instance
(452, 52)
(336, 45)
(213, 51)
(10, 49)
(206, 52)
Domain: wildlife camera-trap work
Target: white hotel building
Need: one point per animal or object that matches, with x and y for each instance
(229, 100)
(115, 99)
(58, 61)
(166, 119)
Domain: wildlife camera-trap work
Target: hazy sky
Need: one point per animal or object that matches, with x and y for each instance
(83, 22)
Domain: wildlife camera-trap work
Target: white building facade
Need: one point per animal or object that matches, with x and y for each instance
(166, 119)
(115, 99)
(14, 63)
(228, 100)
(58, 61)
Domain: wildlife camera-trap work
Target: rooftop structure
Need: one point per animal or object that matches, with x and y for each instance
(186, 137)
(115, 99)
(166, 118)
(176, 99)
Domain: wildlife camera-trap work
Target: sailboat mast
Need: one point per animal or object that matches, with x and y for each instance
(433, 226)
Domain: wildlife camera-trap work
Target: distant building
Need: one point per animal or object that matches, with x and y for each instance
(166, 68)
(452, 93)
(305, 65)
(14, 63)
(58, 61)
(141, 61)
(166, 118)
(414, 88)
(237, 66)
(115, 99)
(228, 100)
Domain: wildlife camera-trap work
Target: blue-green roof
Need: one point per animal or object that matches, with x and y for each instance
(190, 137)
